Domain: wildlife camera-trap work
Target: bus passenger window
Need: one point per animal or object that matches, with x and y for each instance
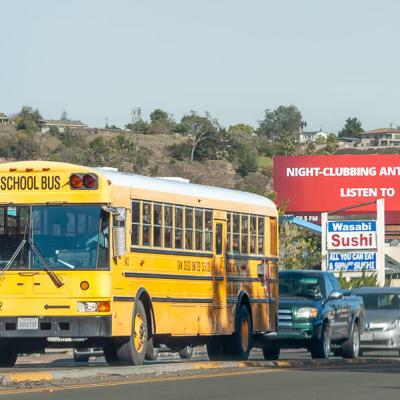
(146, 224)
(245, 233)
(178, 227)
(199, 227)
(168, 226)
(208, 231)
(261, 235)
(135, 223)
(218, 240)
(188, 228)
(157, 225)
(229, 231)
(253, 234)
(236, 234)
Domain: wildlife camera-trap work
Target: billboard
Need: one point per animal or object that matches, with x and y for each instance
(309, 185)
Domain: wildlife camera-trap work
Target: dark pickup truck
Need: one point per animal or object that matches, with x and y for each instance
(315, 313)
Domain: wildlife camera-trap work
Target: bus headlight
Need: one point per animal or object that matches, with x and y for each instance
(93, 306)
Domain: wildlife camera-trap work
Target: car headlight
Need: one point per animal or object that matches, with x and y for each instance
(306, 312)
(393, 325)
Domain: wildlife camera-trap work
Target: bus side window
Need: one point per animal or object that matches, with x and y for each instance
(218, 240)
(253, 234)
(199, 228)
(236, 234)
(157, 224)
(135, 223)
(178, 227)
(260, 231)
(168, 226)
(146, 224)
(208, 230)
(188, 228)
(245, 233)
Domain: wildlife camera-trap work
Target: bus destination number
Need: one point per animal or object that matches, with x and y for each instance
(193, 266)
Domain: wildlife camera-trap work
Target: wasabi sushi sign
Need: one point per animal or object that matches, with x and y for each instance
(351, 235)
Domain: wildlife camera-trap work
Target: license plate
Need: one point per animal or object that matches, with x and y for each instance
(367, 336)
(28, 323)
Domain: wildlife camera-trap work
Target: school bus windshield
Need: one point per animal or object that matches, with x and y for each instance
(66, 237)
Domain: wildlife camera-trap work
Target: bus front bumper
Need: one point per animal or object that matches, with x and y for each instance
(63, 326)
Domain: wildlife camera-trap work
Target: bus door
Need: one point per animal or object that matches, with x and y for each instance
(219, 277)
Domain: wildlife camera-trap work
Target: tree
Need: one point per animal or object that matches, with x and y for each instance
(138, 125)
(241, 129)
(331, 145)
(28, 119)
(351, 129)
(242, 148)
(298, 248)
(161, 123)
(283, 122)
(204, 134)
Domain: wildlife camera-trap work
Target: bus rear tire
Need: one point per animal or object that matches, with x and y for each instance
(133, 351)
(8, 357)
(239, 345)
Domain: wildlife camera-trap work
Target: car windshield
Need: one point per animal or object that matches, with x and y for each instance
(382, 301)
(300, 285)
(65, 237)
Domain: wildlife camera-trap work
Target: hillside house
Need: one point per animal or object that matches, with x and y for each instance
(61, 125)
(382, 137)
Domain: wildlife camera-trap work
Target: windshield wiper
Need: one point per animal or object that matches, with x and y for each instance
(13, 257)
(53, 276)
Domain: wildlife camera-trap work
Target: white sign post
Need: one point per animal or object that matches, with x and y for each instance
(353, 246)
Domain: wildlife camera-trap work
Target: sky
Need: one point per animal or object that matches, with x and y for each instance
(100, 59)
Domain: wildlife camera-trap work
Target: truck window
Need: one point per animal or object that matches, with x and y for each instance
(335, 282)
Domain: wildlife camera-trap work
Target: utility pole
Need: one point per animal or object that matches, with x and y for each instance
(106, 118)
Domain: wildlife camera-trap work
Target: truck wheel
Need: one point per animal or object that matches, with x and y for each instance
(351, 347)
(186, 353)
(322, 347)
(337, 352)
(8, 357)
(133, 351)
(271, 353)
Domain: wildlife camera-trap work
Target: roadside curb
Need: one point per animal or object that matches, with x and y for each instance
(7, 379)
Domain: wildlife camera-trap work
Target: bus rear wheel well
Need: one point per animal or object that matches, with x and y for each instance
(243, 299)
(144, 297)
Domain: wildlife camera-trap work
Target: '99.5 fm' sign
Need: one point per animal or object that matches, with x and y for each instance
(350, 235)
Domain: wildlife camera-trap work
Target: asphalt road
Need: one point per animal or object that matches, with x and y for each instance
(366, 382)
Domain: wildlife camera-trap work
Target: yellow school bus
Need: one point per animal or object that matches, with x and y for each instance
(91, 257)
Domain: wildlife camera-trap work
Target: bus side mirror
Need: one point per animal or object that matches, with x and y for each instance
(119, 233)
(119, 241)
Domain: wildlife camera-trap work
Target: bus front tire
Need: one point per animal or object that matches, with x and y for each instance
(133, 351)
(8, 357)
